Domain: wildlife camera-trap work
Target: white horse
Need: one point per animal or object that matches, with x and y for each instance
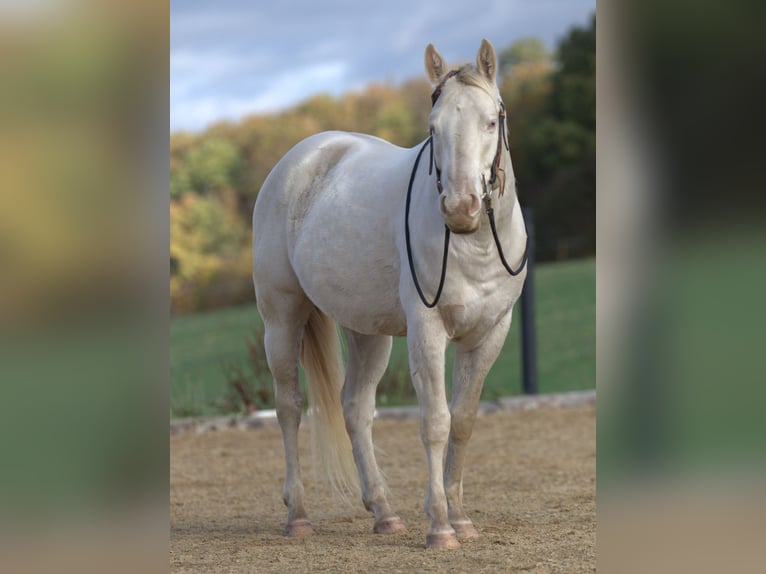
(331, 245)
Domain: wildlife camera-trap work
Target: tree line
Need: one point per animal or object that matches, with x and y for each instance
(215, 175)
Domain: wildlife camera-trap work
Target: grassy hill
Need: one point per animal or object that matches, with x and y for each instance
(204, 345)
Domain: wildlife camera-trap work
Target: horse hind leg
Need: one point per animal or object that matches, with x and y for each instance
(282, 339)
(368, 358)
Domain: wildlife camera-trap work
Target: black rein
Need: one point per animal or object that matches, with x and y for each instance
(407, 235)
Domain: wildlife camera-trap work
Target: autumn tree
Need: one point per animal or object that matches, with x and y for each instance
(554, 144)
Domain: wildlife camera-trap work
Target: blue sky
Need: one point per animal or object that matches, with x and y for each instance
(230, 58)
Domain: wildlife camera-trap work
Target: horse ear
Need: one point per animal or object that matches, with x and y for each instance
(434, 64)
(486, 61)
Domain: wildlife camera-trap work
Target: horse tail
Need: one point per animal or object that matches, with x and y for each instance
(330, 444)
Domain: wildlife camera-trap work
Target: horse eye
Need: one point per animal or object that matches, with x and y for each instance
(492, 125)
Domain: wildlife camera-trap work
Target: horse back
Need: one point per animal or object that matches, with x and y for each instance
(330, 209)
(312, 167)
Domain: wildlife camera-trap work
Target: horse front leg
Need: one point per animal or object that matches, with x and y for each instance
(426, 344)
(471, 367)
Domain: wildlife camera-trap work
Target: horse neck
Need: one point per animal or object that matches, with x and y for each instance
(503, 211)
(505, 204)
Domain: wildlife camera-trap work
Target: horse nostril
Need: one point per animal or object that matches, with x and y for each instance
(443, 204)
(475, 206)
(470, 205)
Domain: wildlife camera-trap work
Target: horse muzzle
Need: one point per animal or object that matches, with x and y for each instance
(461, 212)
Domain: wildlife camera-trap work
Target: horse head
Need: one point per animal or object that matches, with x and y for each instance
(467, 125)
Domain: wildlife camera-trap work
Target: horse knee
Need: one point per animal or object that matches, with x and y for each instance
(461, 424)
(435, 429)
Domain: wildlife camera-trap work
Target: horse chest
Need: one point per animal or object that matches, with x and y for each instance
(471, 319)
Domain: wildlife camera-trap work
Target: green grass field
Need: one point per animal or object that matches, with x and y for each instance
(203, 344)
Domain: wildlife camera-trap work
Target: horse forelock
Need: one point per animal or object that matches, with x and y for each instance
(468, 75)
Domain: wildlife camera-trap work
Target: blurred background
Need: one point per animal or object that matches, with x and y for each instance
(250, 81)
(681, 279)
(85, 359)
(83, 286)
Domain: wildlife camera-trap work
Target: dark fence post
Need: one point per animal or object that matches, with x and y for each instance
(528, 333)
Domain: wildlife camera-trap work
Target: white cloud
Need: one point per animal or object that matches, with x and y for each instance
(290, 87)
(238, 57)
(280, 91)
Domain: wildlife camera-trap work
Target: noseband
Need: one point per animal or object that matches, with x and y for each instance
(487, 198)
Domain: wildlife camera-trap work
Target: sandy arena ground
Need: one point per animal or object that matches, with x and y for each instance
(529, 487)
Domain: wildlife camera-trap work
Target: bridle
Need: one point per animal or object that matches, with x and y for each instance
(486, 198)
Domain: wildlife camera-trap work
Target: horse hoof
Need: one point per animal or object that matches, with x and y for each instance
(465, 530)
(299, 528)
(390, 525)
(446, 540)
